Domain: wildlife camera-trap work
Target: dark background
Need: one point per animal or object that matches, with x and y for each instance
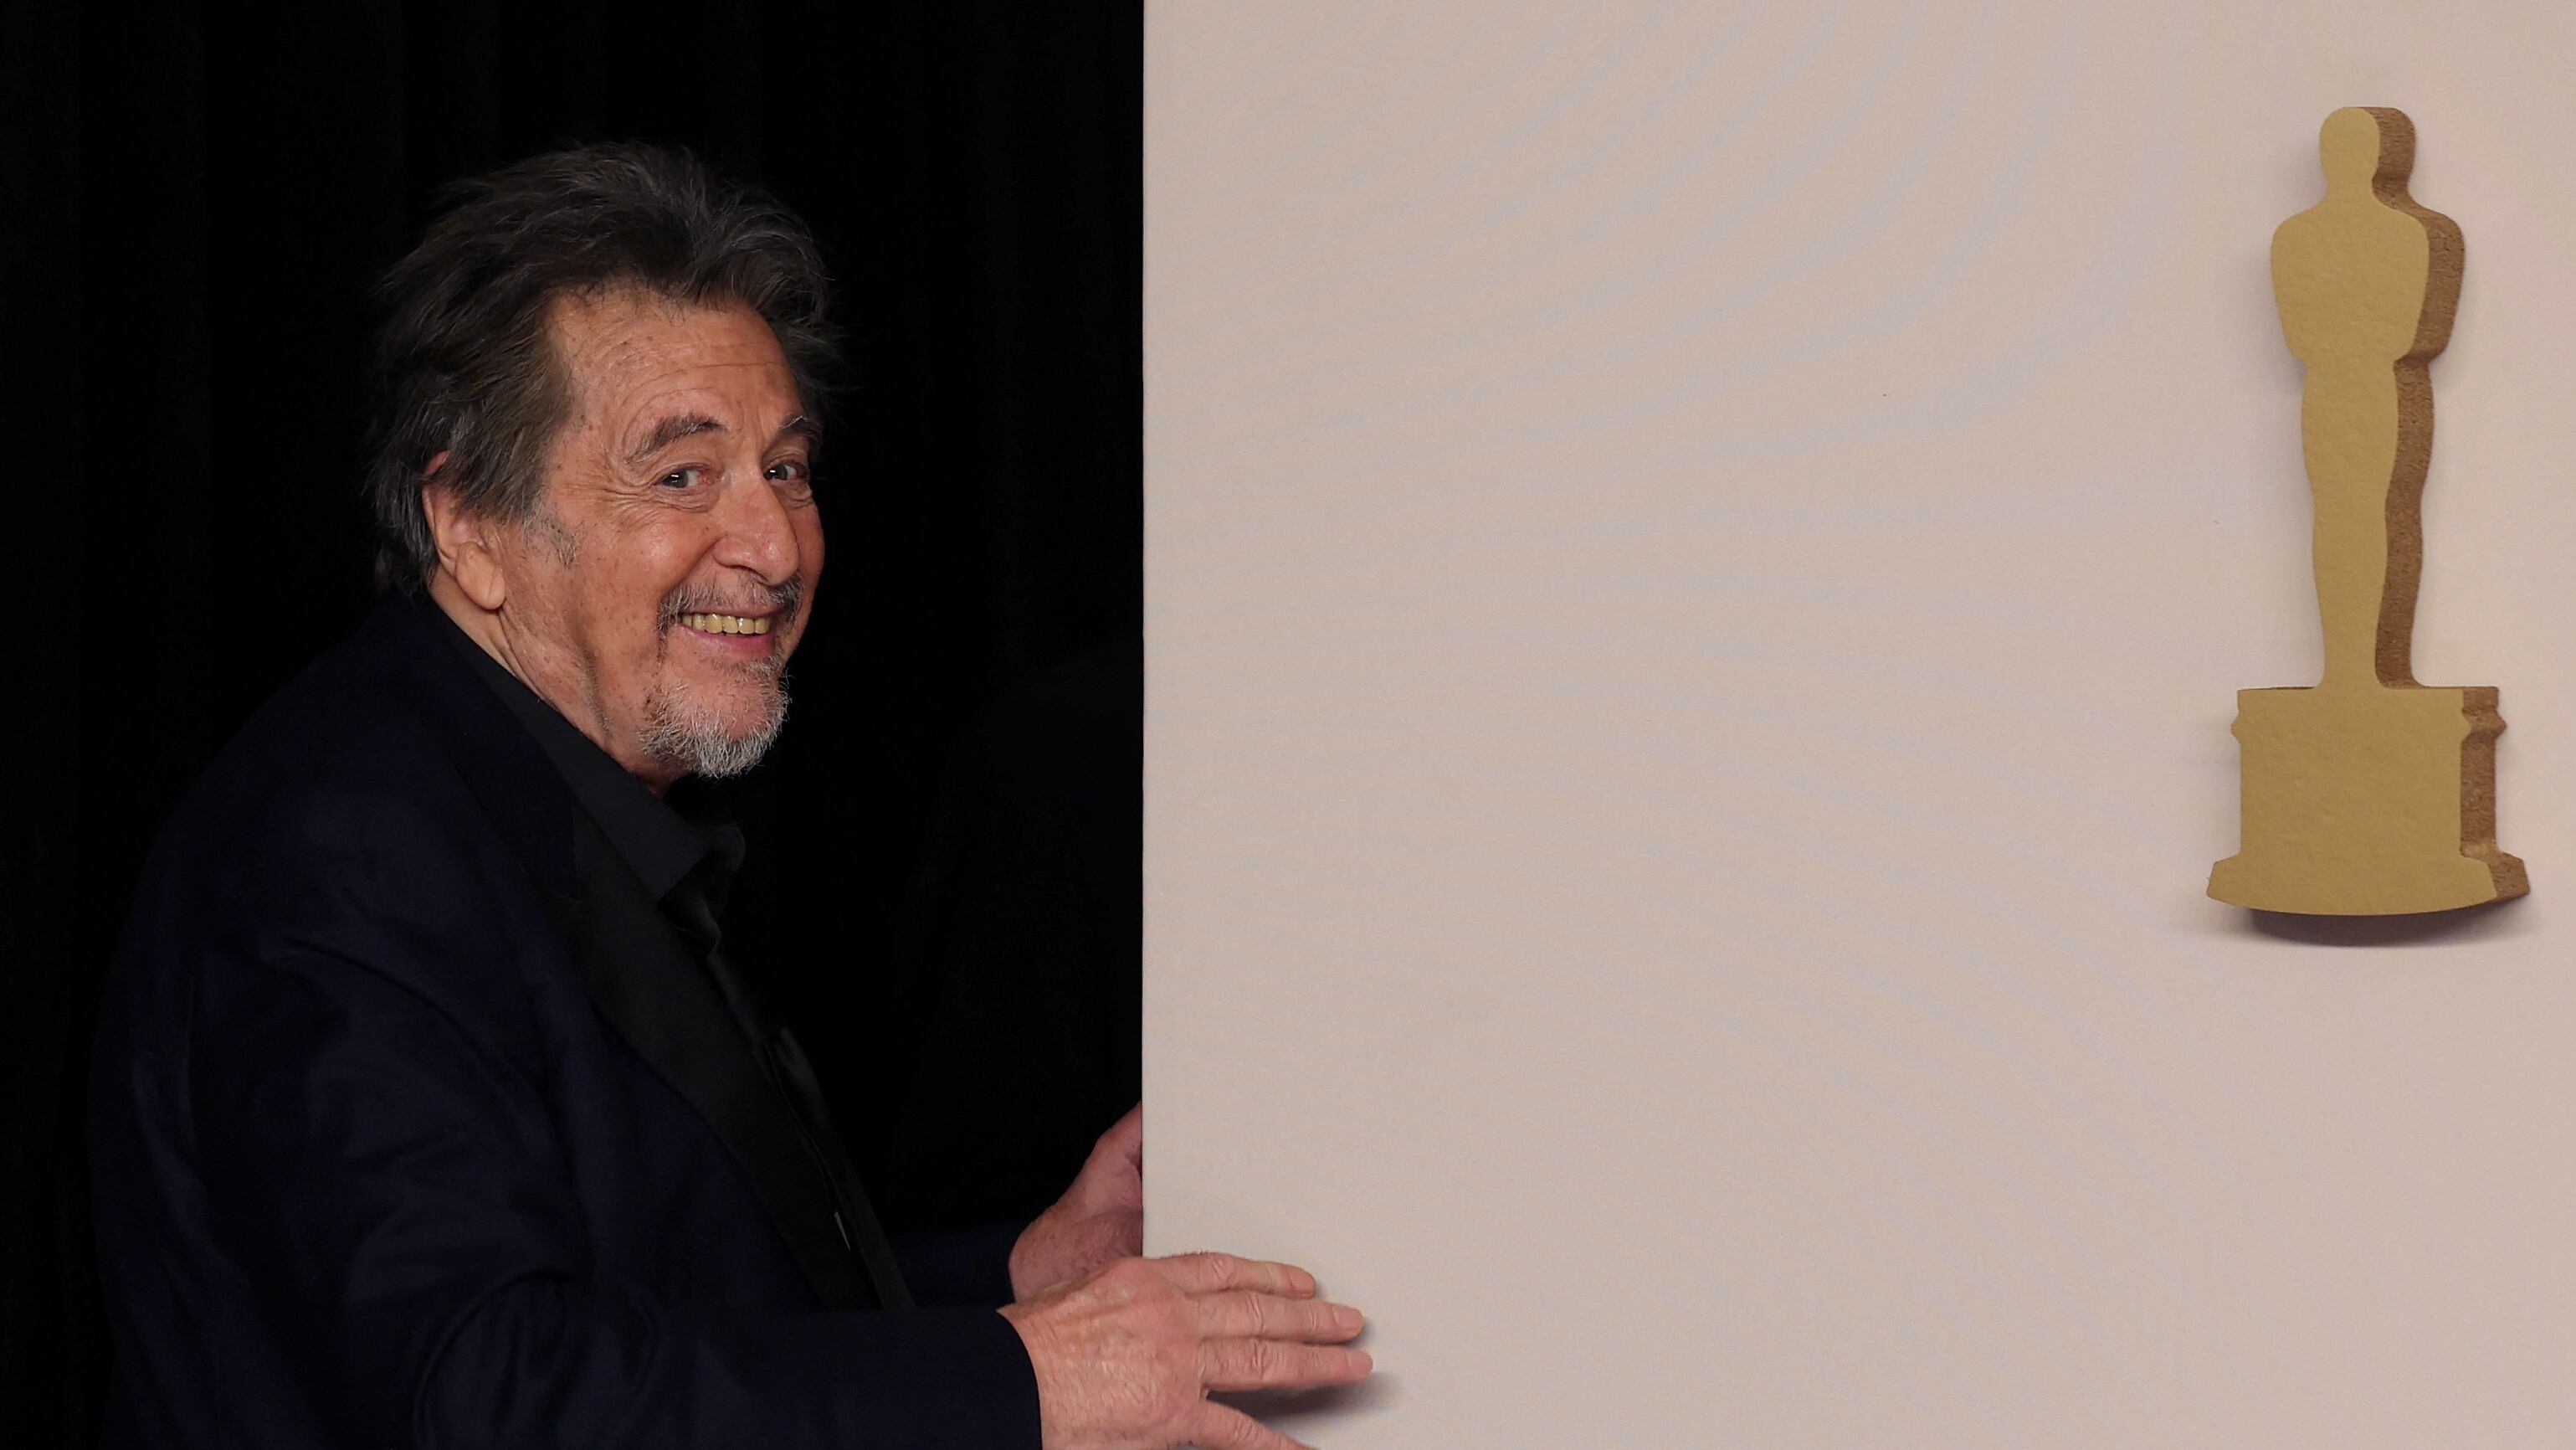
(943, 882)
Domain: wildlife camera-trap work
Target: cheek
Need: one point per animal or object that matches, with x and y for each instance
(621, 616)
(809, 562)
(808, 530)
(809, 543)
(650, 565)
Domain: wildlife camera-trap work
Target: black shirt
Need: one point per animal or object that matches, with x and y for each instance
(686, 858)
(687, 861)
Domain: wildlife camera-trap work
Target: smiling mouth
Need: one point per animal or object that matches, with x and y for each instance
(726, 623)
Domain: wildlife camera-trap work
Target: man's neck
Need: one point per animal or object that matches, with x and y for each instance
(484, 627)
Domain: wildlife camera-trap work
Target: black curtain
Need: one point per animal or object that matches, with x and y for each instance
(943, 885)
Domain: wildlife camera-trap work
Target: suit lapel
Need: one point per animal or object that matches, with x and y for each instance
(662, 1004)
(629, 961)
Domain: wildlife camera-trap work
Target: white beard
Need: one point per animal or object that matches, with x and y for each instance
(682, 732)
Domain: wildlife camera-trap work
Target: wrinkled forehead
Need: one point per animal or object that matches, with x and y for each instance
(632, 358)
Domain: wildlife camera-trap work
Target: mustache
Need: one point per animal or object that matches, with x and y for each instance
(785, 597)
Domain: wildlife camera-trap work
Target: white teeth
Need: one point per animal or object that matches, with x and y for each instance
(725, 623)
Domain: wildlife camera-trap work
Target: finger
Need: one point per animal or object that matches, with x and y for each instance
(1223, 1427)
(1271, 1364)
(1126, 1137)
(1213, 1273)
(1250, 1314)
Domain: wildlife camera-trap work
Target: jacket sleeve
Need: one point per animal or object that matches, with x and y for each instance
(380, 1159)
(959, 1266)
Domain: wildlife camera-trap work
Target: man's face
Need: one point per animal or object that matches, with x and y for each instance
(666, 575)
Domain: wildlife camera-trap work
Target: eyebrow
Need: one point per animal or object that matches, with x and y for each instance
(688, 425)
(671, 430)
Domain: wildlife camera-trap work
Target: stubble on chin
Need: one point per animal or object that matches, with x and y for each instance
(694, 736)
(699, 737)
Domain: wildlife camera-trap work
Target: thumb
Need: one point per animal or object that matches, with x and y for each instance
(1125, 1140)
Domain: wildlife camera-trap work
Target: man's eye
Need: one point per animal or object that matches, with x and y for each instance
(683, 477)
(795, 474)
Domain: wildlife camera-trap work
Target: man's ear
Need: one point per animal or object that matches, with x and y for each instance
(466, 541)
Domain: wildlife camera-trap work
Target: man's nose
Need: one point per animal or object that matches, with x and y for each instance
(759, 531)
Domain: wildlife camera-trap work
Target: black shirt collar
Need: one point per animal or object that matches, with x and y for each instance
(661, 843)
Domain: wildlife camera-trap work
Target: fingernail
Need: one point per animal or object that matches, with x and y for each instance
(1345, 1317)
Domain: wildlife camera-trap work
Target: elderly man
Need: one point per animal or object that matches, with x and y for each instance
(427, 1109)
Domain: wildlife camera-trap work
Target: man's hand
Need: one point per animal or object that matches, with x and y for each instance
(1100, 1219)
(1125, 1359)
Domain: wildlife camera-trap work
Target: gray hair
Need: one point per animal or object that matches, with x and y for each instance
(463, 365)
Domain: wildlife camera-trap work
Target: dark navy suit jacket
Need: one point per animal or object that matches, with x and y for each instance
(413, 1124)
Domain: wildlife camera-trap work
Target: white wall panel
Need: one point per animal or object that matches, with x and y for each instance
(1698, 561)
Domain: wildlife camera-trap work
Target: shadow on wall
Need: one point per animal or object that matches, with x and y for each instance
(2425, 928)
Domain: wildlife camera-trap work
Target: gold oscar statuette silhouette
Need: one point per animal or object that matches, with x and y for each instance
(2369, 794)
